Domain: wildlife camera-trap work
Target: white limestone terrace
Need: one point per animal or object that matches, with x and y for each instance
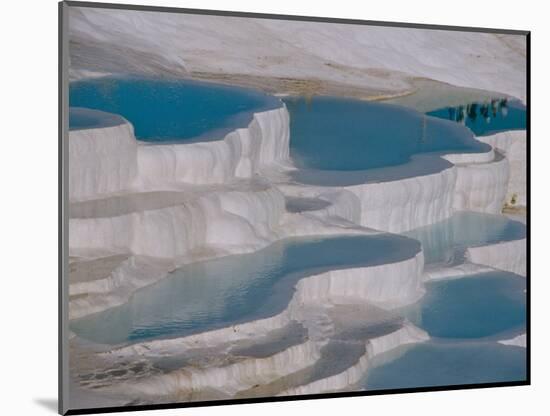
(140, 211)
(519, 341)
(177, 222)
(426, 190)
(155, 231)
(260, 52)
(513, 144)
(108, 158)
(308, 345)
(139, 230)
(469, 243)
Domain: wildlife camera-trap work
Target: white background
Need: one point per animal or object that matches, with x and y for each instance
(28, 229)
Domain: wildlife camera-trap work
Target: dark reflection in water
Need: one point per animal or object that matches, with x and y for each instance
(487, 117)
(338, 134)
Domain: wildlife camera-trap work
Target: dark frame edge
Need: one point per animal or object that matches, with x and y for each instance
(214, 403)
(253, 15)
(63, 104)
(528, 218)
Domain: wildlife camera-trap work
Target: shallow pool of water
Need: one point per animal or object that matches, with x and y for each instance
(486, 118)
(233, 289)
(329, 133)
(171, 110)
(477, 306)
(446, 364)
(465, 318)
(442, 241)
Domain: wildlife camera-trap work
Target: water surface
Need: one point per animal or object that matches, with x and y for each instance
(465, 317)
(477, 306)
(447, 364)
(217, 293)
(442, 242)
(164, 110)
(337, 141)
(488, 117)
(329, 133)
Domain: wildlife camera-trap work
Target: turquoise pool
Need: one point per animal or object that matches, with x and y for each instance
(472, 307)
(163, 110)
(464, 318)
(234, 289)
(437, 363)
(339, 142)
(329, 133)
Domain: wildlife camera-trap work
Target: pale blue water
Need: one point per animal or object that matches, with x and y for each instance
(443, 241)
(447, 364)
(361, 140)
(472, 307)
(225, 291)
(486, 118)
(464, 317)
(338, 134)
(171, 110)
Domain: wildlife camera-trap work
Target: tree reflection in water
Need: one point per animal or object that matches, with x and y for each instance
(472, 111)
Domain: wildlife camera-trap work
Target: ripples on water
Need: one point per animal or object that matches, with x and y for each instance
(233, 289)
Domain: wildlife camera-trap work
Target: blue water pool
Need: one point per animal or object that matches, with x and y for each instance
(329, 133)
(170, 110)
(486, 118)
(472, 307)
(446, 364)
(442, 241)
(465, 318)
(225, 291)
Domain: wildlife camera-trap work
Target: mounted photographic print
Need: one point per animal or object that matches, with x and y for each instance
(263, 207)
